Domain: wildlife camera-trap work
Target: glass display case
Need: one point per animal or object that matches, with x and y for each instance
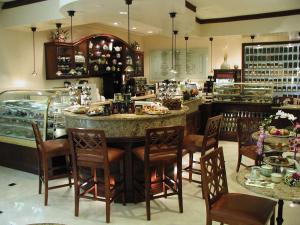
(19, 108)
(243, 92)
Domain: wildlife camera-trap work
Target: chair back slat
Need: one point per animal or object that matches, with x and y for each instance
(88, 144)
(213, 175)
(38, 136)
(245, 128)
(211, 133)
(164, 141)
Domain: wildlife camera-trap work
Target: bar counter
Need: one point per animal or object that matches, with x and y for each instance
(126, 125)
(127, 131)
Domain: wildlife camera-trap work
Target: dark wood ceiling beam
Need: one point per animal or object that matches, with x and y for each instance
(17, 3)
(190, 6)
(249, 17)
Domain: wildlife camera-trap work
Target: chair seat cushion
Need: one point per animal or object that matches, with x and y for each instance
(57, 147)
(240, 209)
(165, 158)
(194, 142)
(249, 151)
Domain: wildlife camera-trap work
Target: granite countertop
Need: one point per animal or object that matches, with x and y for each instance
(291, 107)
(125, 116)
(280, 190)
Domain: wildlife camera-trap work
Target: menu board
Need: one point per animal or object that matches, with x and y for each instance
(190, 65)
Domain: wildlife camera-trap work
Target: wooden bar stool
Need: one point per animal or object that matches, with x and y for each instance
(198, 143)
(246, 146)
(163, 148)
(90, 152)
(46, 150)
(230, 208)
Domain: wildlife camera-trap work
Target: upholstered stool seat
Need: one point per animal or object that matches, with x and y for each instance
(46, 151)
(193, 143)
(241, 207)
(90, 152)
(230, 208)
(163, 148)
(58, 146)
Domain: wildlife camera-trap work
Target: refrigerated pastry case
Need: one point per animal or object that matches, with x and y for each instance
(19, 108)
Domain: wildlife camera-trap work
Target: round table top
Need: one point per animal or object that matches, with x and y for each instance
(273, 142)
(280, 190)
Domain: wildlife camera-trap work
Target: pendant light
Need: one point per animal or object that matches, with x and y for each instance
(33, 29)
(211, 53)
(252, 39)
(175, 32)
(71, 14)
(186, 38)
(173, 15)
(129, 67)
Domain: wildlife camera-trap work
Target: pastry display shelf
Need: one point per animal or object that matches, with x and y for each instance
(19, 108)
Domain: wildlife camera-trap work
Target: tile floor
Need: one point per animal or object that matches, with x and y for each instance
(20, 204)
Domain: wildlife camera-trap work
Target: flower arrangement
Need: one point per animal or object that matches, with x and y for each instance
(59, 35)
(260, 141)
(279, 115)
(292, 180)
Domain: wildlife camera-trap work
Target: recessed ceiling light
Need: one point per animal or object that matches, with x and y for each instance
(150, 32)
(133, 28)
(123, 13)
(116, 23)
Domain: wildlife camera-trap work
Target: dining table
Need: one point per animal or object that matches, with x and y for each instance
(281, 192)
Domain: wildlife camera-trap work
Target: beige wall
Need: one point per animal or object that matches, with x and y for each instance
(232, 45)
(16, 56)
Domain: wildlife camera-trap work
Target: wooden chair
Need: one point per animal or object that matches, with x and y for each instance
(162, 150)
(46, 150)
(230, 208)
(198, 143)
(90, 153)
(246, 146)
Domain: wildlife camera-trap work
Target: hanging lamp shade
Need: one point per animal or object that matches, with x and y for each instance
(252, 39)
(129, 67)
(172, 16)
(211, 53)
(33, 29)
(71, 13)
(186, 38)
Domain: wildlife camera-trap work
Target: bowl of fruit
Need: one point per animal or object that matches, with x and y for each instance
(279, 132)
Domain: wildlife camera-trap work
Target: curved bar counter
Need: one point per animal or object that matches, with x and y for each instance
(127, 131)
(129, 126)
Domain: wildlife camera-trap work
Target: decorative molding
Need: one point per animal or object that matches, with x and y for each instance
(190, 6)
(17, 3)
(249, 17)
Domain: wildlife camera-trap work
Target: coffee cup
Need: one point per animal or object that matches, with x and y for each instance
(276, 177)
(255, 173)
(266, 170)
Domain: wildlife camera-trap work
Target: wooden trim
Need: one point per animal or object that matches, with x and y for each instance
(190, 6)
(249, 17)
(17, 3)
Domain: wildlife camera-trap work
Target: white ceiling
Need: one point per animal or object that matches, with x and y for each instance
(149, 15)
(207, 9)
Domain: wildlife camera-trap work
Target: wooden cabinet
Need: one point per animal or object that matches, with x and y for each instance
(234, 74)
(92, 56)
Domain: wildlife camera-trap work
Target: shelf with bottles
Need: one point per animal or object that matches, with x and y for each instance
(272, 61)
